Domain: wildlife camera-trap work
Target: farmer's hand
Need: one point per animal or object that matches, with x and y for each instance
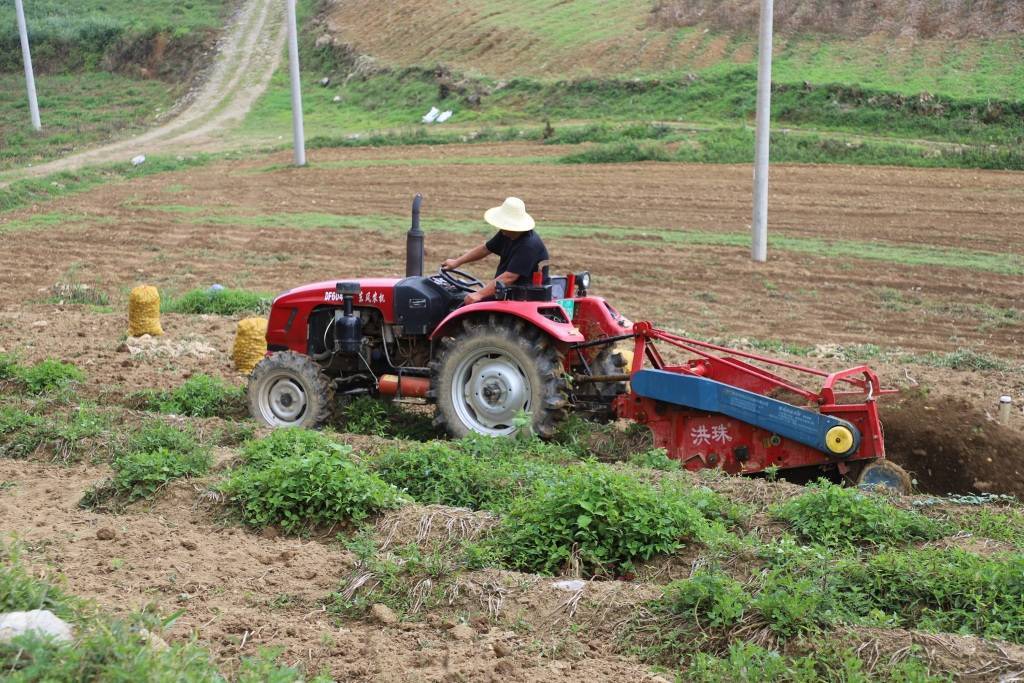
(471, 299)
(450, 264)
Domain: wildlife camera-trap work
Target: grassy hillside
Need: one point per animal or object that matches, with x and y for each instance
(626, 38)
(543, 66)
(104, 68)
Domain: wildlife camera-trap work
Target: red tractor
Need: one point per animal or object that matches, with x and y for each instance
(543, 350)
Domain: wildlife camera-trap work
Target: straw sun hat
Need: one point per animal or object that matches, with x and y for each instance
(510, 216)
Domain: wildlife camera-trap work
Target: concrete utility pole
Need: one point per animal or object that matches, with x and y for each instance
(298, 133)
(26, 55)
(759, 251)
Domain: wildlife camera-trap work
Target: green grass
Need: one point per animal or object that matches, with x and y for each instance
(151, 458)
(77, 111)
(79, 35)
(50, 376)
(198, 396)
(222, 302)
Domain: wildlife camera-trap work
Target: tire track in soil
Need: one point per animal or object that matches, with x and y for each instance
(248, 55)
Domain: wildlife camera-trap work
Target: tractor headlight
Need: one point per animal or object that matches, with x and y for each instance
(583, 282)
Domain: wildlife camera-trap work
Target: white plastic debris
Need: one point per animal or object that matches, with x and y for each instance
(337, 98)
(325, 81)
(139, 160)
(444, 116)
(431, 115)
(42, 621)
(571, 585)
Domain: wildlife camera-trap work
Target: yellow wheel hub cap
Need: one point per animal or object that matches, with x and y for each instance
(839, 440)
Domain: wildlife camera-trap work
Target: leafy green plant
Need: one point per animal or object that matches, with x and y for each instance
(477, 472)
(22, 433)
(48, 376)
(366, 415)
(142, 474)
(315, 488)
(217, 302)
(8, 366)
(836, 516)
(713, 599)
(655, 459)
(153, 456)
(595, 518)
(286, 443)
(199, 396)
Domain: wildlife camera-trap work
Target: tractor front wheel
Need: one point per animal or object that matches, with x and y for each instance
(490, 371)
(289, 389)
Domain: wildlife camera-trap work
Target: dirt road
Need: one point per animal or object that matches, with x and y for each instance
(248, 55)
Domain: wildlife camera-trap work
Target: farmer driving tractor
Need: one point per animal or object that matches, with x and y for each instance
(519, 249)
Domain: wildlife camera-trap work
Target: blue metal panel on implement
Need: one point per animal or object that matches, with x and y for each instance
(699, 393)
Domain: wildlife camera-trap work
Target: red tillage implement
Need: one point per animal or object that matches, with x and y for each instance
(719, 411)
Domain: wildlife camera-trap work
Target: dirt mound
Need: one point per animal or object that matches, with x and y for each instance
(853, 18)
(950, 446)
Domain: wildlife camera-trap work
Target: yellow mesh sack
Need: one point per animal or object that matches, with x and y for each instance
(250, 344)
(144, 312)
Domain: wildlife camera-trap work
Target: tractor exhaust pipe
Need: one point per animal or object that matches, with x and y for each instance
(414, 242)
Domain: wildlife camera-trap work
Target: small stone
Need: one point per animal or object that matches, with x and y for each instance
(462, 632)
(106, 534)
(188, 545)
(384, 615)
(502, 650)
(42, 621)
(40, 323)
(324, 41)
(571, 585)
(153, 640)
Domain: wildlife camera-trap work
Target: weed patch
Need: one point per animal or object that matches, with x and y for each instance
(366, 415)
(299, 482)
(152, 457)
(841, 517)
(217, 302)
(594, 521)
(198, 396)
(45, 377)
(477, 472)
(68, 438)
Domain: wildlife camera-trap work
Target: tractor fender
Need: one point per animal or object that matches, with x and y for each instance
(535, 313)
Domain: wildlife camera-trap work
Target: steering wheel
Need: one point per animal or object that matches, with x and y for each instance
(460, 280)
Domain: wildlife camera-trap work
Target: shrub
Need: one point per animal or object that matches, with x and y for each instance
(199, 396)
(836, 516)
(601, 520)
(299, 491)
(218, 302)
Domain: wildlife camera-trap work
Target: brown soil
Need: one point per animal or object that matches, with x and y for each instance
(240, 591)
(952, 447)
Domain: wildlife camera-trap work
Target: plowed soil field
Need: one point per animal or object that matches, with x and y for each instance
(918, 273)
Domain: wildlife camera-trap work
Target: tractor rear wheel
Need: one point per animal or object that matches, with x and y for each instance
(289, 389)
(491, 370)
